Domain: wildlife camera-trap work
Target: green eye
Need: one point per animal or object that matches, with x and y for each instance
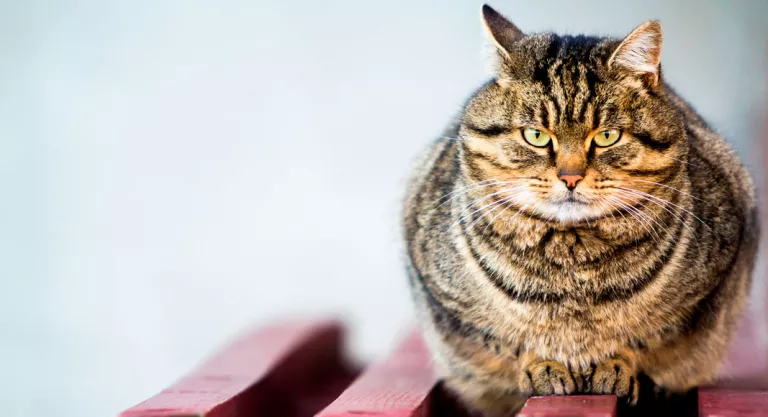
(607, 137)
(536, 137)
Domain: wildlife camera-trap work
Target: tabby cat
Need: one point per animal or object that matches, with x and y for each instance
(578, 225)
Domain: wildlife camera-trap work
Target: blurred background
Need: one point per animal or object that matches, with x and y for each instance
(173, 172)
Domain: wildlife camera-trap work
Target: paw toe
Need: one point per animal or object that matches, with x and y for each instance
(525, 386)
(542, 383)
(615, 376)
(547, 378)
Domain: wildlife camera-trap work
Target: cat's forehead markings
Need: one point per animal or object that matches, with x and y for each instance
(551, 114)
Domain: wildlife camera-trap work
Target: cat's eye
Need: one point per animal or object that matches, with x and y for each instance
(536, 137)
(607, 137)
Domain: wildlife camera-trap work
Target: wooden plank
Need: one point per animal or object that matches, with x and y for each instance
(725, 402)
(571, 406)
(743, 388)
(403, 385)
(289, 369)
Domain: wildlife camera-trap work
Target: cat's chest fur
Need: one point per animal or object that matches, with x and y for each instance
(572, 249)
(567, 260)
(557, 283)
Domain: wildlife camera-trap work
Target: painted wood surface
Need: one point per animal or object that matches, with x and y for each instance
(296, 369)
(571, 406)
(402, 385)
(288, 369)
(743, 396)
(743, 387)
(724, 402)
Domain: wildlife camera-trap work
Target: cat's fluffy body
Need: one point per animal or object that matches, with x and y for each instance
(527, 287)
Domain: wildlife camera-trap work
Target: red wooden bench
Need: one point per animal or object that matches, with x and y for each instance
(299, 370)
(290, 369)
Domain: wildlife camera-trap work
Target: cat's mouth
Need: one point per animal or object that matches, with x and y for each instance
(570, 208)
(572, 199)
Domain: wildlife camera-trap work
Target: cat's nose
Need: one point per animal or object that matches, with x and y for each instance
(570, 180)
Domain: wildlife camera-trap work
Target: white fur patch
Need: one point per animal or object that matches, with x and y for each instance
(571, 212)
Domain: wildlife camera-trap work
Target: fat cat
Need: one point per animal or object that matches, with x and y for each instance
(576, 226)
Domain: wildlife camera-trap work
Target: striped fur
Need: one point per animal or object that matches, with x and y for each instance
(524, 292)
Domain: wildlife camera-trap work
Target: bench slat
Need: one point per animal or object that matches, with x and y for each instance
(290, 369)
(726, 402)
(570, 406)
(743, 387)
(403, 385)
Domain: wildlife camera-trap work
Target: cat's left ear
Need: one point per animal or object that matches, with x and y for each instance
(639, 54)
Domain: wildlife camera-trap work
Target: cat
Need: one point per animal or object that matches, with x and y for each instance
(577, 225)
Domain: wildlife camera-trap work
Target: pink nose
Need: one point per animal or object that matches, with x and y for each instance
(571, 180)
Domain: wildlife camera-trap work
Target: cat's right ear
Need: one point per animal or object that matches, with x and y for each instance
(501, 31)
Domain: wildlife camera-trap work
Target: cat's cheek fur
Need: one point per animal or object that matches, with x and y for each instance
(616, 158)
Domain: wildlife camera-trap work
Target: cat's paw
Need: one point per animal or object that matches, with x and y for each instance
(615, 376)
(546, 378)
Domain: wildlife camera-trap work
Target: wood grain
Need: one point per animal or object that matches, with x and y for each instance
(725, 402)
(403, 385)
(288, 369)
(571, 406)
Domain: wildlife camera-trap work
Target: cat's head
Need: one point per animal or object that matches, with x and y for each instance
(572, 128)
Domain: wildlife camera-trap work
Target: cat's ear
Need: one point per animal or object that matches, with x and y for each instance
(639, 53)
(501, 31)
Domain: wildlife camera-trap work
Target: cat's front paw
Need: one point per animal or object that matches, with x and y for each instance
(546, 378)
(616, 376)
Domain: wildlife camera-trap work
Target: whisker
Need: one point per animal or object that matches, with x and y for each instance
(648, 216)
(476, 186)
(503, 202)
(483, 211)
(670, 187)
(613, 206)
(651, 219)
(635, 213)
(490, 222)
(520, 210)
(506, 207)
(602, 203)
(470, 187)
(647, 195)
(667, 209)
(679, 160)
(462, 216)
(473, 202)
(464, 192)
(645, 223)
(496, 203)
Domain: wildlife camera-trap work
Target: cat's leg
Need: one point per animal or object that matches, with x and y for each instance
(693, 353)
(495, 380)
(481, 373)
(477, 369)
(686, 362)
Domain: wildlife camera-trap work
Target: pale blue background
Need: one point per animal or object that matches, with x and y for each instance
(174, 171)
